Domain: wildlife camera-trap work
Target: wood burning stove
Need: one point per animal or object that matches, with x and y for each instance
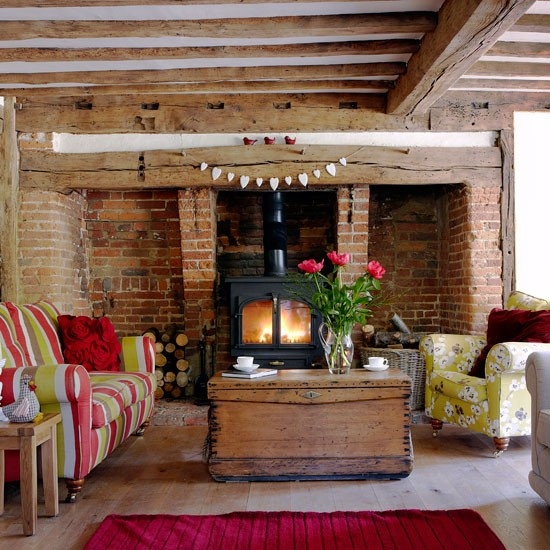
(266, 320)
(270, 324)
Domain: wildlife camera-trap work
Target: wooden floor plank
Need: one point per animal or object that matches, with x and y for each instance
(164, 472)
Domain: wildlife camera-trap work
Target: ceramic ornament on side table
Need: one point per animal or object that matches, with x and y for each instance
(3, 417)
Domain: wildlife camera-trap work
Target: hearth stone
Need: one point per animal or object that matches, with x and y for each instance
(179, 412)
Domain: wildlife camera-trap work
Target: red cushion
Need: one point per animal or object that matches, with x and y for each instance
(89, 342)
(512, 325)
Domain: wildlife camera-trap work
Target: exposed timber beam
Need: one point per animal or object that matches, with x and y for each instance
(466, 30)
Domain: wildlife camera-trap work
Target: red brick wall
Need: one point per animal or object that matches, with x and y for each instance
(405, 227)
(52, 250)
(135, 258)
(153, 257)
(471, 259)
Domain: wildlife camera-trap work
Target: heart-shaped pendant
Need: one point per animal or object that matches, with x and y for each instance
(288, 180)
(230, 176)
(342, 161)
(317, 173)
(302, 178)
(244, 181)
(331, 169)
(274, 183)
(259, 182)
(204, 166)
(216, 173)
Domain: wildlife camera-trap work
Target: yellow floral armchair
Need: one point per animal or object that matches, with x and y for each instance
(497, 404)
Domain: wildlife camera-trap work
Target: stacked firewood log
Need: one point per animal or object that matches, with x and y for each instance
(172, 370)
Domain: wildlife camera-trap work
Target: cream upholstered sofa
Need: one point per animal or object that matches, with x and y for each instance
(103, 397)
(537, 374)
(495, 402)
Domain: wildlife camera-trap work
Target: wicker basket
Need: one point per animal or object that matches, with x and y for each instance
(409, 360)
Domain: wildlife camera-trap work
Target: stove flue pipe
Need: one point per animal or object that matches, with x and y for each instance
(275, 247)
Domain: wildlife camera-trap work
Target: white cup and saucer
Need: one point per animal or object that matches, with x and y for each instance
(377, 364)
(245, 363)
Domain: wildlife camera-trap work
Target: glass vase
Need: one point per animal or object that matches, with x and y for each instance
(338, 348)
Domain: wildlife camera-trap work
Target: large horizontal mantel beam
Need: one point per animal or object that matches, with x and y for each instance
(212, 166)
(257, 113)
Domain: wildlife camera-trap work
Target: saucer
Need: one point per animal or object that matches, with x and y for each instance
(246, 369)
(375, 369)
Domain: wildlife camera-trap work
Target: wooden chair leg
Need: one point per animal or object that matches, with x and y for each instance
(74, 486)
(437, 425)
(501, 444)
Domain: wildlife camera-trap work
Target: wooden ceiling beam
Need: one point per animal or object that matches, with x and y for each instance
(319, 49)
(93, 3)
(271, 27)
(466, 30)
(251, 86)
(211, 74)
(502, 84)
(509, 69)
(534, 50)
(536, 22)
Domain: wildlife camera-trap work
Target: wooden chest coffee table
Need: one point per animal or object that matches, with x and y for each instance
(309, 424)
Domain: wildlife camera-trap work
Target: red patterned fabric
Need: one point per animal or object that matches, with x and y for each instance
(387, 530)
(90, 342)
(512, 325)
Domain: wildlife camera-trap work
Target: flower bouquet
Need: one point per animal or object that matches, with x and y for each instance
(341, 305)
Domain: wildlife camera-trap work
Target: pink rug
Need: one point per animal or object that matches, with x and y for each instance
(396, 529)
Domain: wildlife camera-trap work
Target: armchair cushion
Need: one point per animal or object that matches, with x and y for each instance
(459, 385)
(90, 342)
(113, 392)
(514, 325)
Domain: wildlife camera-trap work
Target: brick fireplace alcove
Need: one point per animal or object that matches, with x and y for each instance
(152, 257)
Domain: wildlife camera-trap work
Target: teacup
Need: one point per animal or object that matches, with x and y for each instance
(245, 361)
(378, 362)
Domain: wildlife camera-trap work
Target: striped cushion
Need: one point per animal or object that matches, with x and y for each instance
(113, 392)
(36, 330)
(12, 352)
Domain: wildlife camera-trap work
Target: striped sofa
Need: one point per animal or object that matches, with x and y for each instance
(99, 410)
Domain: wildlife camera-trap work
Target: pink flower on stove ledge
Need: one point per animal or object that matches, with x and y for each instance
(375, 269)
(341, 304)
(339, 259)
(311, 266)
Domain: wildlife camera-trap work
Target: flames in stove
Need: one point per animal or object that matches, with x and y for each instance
(259, 317)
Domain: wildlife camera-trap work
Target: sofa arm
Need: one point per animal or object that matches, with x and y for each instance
(451, 352)
(138, 354)
(537, 374)
(55, 384)
(64, 389)
(510, 357)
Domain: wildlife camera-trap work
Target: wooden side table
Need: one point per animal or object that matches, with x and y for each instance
(26, 437)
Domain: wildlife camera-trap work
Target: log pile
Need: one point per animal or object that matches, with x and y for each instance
(172, 369)
(399, 338)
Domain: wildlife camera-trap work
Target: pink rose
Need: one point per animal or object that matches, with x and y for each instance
(311, 266)
(375, 269)
(338, 259)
